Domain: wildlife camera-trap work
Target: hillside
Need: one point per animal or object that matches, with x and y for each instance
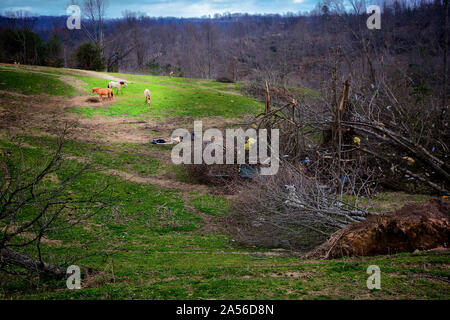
(166, 239)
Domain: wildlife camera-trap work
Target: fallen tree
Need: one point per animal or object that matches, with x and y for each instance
(289, 210)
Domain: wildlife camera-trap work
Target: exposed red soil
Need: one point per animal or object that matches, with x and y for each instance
(414, 227)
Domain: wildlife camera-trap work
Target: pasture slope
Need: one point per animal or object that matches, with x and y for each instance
(167, 240)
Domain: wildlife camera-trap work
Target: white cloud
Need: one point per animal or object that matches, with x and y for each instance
(164, 8)
(173, 9)
(19, 9)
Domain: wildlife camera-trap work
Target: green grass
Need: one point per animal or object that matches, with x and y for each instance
(213, 205)
(154, 247)
(171, 97)
(388, 201)
(105, 156)
(305, 92)
(33, 83)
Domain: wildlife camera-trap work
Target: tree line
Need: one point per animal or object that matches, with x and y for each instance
(291, 49)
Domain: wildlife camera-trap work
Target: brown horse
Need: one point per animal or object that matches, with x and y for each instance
(103, 92)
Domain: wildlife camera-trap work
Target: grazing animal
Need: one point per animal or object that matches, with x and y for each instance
(103, 92)
(117, 85)
(147, 96)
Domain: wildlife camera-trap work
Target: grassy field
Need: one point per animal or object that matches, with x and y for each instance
(34, 84)
(166, 241)
(171, 98)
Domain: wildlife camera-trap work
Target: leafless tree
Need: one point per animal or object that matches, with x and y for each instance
(35, 202)
(210, 41)
(94, 11)
(445, 62)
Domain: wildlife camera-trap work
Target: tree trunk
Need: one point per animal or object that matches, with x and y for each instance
(445, 84)
(267, 99)
(10, 257)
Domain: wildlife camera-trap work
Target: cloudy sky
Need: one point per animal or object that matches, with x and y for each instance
(174, 8)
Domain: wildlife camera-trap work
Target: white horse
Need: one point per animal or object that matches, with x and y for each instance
(117, 85)
(147, 96)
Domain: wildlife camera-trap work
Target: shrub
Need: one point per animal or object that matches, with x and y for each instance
(89, 57)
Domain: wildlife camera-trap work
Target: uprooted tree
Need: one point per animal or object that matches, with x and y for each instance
(36, 202)
(379, 121)
(381, 129)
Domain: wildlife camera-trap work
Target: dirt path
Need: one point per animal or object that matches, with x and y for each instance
(88, 73)
(209, 225)
(161, 182)
(74, 82)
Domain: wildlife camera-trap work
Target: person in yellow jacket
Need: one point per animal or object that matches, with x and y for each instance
(249, 143)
